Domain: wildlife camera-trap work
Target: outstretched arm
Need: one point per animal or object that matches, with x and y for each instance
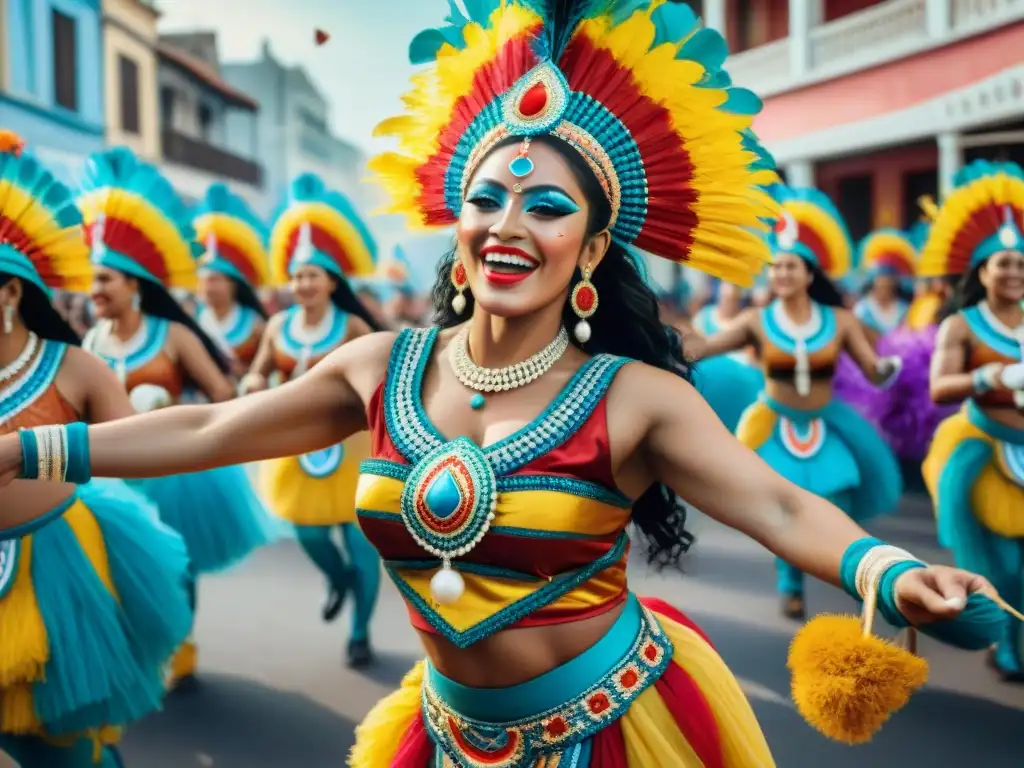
(319, 409)
(738, 333)
(861, 349)
(690, 450)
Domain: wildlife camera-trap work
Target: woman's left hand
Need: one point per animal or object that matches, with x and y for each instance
(936, 593)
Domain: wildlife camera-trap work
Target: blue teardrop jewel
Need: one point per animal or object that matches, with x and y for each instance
(476, 402)
(521, 166)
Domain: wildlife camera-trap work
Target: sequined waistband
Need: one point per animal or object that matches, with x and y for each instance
(511, 727)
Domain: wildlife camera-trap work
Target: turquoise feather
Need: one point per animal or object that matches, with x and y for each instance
(119, 168)
(221, 200)
(310, 188)
(980, 169)
(918, 234)
(28, 174)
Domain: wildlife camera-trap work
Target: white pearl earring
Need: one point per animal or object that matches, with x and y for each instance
(136, 302)
(8, 319)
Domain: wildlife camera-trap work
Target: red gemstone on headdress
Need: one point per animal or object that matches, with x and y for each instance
(585, 298)
(534, 100)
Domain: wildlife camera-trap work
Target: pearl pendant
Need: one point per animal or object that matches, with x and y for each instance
(447, 586)
(582, 331)
(459, 303)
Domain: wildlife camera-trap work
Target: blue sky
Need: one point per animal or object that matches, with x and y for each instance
(362, 70)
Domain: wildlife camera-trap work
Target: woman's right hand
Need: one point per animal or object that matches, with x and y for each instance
(10, 459)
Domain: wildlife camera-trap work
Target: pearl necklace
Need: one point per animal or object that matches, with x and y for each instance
(504, 379)
(9, 372)
(309, 336)
(108, 345)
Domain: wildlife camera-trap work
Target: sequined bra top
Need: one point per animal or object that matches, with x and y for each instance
(533, 523)
(782, 348)
(145, 360)
(991, 342)
(294, 350)
(33, 400)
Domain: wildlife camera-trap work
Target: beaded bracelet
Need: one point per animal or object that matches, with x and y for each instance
(58, 453)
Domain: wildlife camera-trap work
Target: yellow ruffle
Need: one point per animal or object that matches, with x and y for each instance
(293, 495)
(651, 735)
(997, 501)
(24, 645)
(757, 425)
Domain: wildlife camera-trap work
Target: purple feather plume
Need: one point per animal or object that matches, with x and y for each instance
(904, 413)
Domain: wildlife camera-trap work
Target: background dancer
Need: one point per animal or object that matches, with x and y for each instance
(806, 435)
(975, 468)
(142, 246)
(317, 242)
(886, 259)
(233, 269)
(93, 598)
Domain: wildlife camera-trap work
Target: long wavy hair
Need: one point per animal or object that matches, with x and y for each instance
(345, 299)
(822, 289)
(627, 325)
(40, 316)
(246, 297)
(158, 302)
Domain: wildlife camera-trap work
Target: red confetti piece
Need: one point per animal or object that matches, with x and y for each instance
(320, 37)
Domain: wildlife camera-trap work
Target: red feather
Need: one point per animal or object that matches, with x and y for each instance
(320, 37)
(124, 237)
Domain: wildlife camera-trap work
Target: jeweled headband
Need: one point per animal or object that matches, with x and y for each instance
(637, 88)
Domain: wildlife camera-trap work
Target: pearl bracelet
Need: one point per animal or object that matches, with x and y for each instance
(874, 564)
(58, 453)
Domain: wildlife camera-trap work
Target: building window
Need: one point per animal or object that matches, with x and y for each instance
(857, 204)
(205, 122)
(167, 107)
(915, 186)
(65, 61)
(129, 76)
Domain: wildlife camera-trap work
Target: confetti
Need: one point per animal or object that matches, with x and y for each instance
(320, 37)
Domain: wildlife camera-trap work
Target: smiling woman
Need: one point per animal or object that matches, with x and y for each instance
(556, 136)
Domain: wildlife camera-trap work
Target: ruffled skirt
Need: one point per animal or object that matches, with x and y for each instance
(316, 489)
(92, 605)
(832, 452)
(729, 386)
(216, 512)
(652, 692)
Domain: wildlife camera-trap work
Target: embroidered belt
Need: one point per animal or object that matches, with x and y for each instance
(629, 659)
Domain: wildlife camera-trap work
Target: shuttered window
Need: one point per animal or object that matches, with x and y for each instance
(129, 82)
(65, 61)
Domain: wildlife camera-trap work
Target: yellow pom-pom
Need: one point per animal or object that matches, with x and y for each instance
(846, 684)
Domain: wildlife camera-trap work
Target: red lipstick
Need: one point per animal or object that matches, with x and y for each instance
(502, 279)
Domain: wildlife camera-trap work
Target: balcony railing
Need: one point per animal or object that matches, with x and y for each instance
(885, 32)
(179, 148)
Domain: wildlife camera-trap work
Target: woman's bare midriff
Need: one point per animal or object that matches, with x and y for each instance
(786, 394)
(25, 500)
(516, 655)
(1008, 416)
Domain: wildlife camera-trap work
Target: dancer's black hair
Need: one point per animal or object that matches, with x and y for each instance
(345, 299)
(822, 289)
(628, 325)
(158, 302)
(246, 296)
(39, 314)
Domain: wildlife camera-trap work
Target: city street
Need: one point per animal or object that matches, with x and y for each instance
(274, 691)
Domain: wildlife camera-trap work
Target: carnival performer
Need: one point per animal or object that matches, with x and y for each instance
(886, 259)
(510, 452)
(232, 270)
(975, 468)
(726, 303)
(812, 439)
(400, 299)
(93, 599)
(318, 240)
(143, 246)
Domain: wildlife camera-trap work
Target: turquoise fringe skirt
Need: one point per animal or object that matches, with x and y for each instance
(729, 386)
(93, 607)
(217, 513)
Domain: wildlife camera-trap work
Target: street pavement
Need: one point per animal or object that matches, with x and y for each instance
(274, 692)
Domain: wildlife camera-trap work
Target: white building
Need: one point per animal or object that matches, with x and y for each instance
(209, 129)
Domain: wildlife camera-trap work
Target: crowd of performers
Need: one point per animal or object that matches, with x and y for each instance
(549, 361)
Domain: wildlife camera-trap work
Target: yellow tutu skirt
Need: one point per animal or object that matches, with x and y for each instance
(652, 692)
(316, 488)
(975, 459)
(92, 605)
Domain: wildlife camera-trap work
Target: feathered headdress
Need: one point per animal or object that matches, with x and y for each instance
(318, 227)
(635, 86)
(397, 271)
(135, 222)
(983, 215)
(887, 252)
(233, 237)
(40, 226)
(813, 228)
